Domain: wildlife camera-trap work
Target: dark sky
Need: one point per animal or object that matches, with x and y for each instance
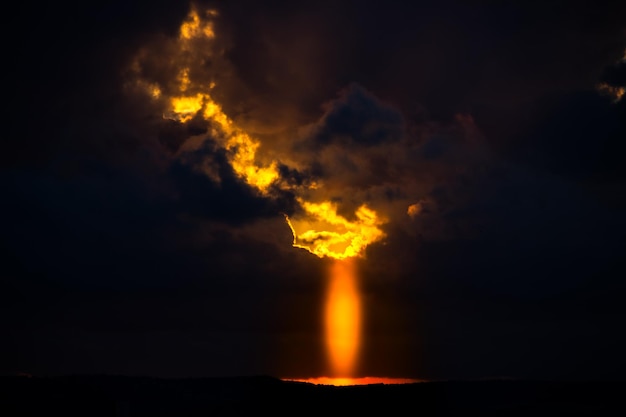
(130, 246)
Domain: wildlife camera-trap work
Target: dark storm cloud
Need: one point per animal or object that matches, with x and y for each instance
(90, 262)
(577, 135)
(129, 248)
(361, 150)
(172, 134)
(360, 119)
(525, 244)
(615, 75)
(229, 200)
(523, 267)
(496, 62)
(66, 63)
(115, 227)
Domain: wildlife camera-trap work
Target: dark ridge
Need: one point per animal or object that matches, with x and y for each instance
(117, 396)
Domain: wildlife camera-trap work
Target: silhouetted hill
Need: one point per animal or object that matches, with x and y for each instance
(117, 396)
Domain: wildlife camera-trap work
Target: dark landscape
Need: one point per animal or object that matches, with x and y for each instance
(96, 396)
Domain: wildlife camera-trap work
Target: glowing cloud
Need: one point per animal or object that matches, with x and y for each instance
(414, 209)
(326, 233)
(616, 92)
(188, 96)
(194, 26)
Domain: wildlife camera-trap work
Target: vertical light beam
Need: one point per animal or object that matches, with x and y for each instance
(343, 318)
(318, 227)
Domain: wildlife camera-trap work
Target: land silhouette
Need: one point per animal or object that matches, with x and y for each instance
(121, 396)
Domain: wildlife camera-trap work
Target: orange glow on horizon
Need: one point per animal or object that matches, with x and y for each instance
(366, 380)
(343, 318)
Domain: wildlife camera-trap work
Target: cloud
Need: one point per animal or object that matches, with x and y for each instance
(358, 150)
(615, 74)
(359, 119)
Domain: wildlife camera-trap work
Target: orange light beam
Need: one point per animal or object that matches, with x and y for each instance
(343, 318)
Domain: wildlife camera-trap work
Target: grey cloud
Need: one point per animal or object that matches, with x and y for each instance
(358, 118)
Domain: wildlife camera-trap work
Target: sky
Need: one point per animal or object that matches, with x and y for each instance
(179, 178)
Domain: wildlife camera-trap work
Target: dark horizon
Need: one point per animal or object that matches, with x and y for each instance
(126, 396)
